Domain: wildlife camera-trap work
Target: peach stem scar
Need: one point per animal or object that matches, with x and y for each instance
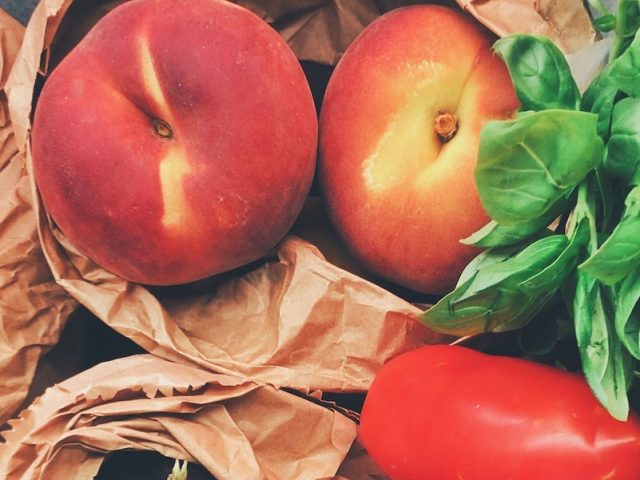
(162, 129)
(445, 126)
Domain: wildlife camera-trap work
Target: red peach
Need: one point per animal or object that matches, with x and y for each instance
(177, 140)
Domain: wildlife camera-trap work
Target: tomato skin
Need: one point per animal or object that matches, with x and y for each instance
(450, 413)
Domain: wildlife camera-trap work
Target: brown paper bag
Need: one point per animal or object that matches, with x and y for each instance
(298, 321)
(320, 31)
(33, 309)
(360, 324)
(566, 22)
(235, 428)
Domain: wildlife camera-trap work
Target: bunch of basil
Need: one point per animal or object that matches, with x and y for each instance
(573, 158)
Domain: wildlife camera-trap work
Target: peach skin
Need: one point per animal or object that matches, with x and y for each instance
(399, 137)
(177, 140)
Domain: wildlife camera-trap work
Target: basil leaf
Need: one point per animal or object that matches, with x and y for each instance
(627, 18)
(520, 267)
(605, 23)
(624, 71)
(497, 297)
(525, 166)
(626, 295)
(622, 157)
(557, 272)
(486, 259)
(605, 362)
(619, 255)
(622, 74)
(539, 71)
(599, 98)
(488, 311)
(609, 199)
(494, 234)
(627, 23)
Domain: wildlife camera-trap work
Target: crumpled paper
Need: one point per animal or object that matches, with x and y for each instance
(33, 308)
(566, 22)
(235, 428)
(298, 322)
(274, 342)
(321, 30)
(293, 321)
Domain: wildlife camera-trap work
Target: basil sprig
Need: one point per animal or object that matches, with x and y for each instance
(570, 157)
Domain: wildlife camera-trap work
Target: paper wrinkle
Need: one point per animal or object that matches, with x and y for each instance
(566, 22)
(33, 309)
(263, 320)
(233, 427)
(240, 459)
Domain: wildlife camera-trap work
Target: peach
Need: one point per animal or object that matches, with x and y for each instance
(177, 140)
(399, 138)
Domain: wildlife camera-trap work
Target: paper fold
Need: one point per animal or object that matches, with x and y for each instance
(566, 22)
(33, 309)
(233, 427)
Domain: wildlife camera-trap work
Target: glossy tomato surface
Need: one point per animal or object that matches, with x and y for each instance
(451, 413)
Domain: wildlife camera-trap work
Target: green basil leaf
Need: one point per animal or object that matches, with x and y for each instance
(605, 362)
(486, 259)
(517, 269)
(605, 23)
(494, 234)
(557, 272)
(624, 71)
(599, 98)
(619, 255)
(627, 24)
(495, 297)
(525, 166)
(626, 296)
(607, 193)
(539, 71)
(627, 18)
(620, 75)
(488, 311)
(622, 157)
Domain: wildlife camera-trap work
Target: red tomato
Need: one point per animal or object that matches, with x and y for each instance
(451, 413)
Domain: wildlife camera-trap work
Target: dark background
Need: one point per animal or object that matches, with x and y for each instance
(20, 9)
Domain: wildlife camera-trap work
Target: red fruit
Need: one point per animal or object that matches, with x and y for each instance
(450, 413)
